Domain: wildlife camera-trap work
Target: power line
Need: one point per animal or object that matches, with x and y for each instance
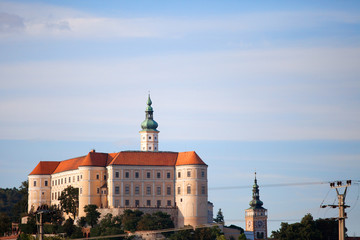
(278, 185)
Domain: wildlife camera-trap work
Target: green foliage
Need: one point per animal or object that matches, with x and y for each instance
(307, 229)
(92, 214)
(82, 222)
(13, 202)
(219, 217)
(69, 200)
(242, 237)
(25, 236)
(5, 223)
(109, 225)
(155, 221)
(30, 227)
(54, 216)
(212, 233)
(130, 219)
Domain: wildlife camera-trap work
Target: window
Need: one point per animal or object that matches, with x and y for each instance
(64, 180)
(155, 137)
(137, 203)
(179, 190)
(117, 190)
(127, 189)
(98, 190)
(149, 137)
(168, 190)
(117, 174)
(179, 174)
(202, 173)
(55, 195)
(34, 183)
(116, 203)
(158, 203)
(158, 190)
(148, 175)
(148, 190)
(81, 176)
(97, 176)
(137, 189)
(168, 203)
(148, 203)
(46, 183)
(69, 179)
(137, 174)
(104, 177)
(168, 175)
(61, 181)
(188, 173)
(158, 175)
(149, 147)
(52, 196)
(127, 174)
(78, 178)
(73, 178)
(188, 189)
(80, 190)
(203, 190)
(127, 202)
(53, 182)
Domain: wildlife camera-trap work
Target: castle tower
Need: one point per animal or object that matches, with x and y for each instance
(149, 133)
(256, 215)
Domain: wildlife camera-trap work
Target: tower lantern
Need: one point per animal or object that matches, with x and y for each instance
(256, 215)
(149, 133)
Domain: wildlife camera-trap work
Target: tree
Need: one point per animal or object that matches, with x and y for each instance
(242, 236)
(155, 221)
(219, 217)
(92, 214)
(5, 223)
(130, 219)
(307, 229)
(109, 225)
(69, 200)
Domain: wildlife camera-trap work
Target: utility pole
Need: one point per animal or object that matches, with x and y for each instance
(341, 205)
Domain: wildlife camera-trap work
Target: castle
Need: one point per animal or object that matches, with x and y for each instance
(149, 179)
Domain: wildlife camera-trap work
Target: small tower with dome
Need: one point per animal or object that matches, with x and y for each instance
(149, 133)
(256, 215)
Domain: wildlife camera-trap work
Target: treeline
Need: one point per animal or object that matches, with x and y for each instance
(13, 205)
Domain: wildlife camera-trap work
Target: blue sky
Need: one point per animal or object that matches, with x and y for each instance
(272, 86)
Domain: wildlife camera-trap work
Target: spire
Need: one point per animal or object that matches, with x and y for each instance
(149, 123)
(255, 203)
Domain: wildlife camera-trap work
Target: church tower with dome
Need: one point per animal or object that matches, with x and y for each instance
(149, 133)
(256, 215)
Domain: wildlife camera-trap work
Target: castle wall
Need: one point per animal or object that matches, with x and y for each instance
(39, 191)
(141, 186)
(191, 194)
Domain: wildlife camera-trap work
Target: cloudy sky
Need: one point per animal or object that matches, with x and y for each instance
(266, 86)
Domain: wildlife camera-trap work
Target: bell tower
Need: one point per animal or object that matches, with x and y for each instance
(256, 215)
(149, 133)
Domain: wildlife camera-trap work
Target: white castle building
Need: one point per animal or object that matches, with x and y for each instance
(149, 180)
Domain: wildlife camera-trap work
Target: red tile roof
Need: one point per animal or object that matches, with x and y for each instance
(44, 168)
(145, 158)
(134, 158)
(189, 158)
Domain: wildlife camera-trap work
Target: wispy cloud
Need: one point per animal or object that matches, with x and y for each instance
(44, 20)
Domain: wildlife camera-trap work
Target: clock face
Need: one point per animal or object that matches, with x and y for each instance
(260, 223)
(249, 223)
